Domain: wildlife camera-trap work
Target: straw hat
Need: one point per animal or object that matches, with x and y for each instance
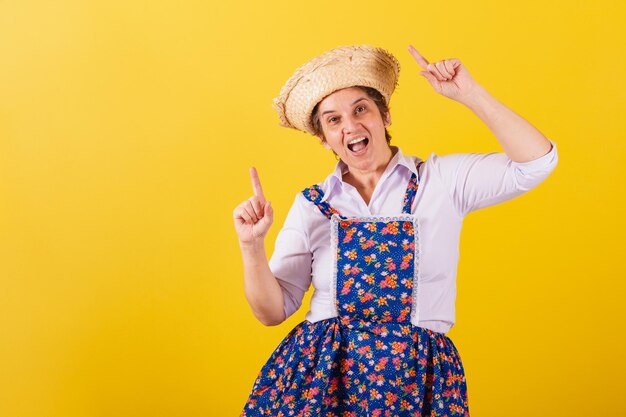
(342, 67)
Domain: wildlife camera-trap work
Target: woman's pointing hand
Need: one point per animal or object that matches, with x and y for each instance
(448, 77)
(254, 216)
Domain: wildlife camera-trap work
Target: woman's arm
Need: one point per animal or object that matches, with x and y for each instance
(253, 219)
(520, 140)
(262, 291)
(478, 180)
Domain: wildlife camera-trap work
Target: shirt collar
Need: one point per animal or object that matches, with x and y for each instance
(335, 179)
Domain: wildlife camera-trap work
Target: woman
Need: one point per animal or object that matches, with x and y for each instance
(378, 240)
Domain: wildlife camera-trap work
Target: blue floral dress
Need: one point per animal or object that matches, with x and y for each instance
(369, 360)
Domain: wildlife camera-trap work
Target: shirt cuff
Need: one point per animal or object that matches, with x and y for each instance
(546, 161)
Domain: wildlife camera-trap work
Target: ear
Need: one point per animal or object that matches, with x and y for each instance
(387, 119)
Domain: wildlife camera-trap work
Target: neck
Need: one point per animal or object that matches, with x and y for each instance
(365, 180)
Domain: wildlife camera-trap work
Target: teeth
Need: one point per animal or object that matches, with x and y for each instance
(353, 141)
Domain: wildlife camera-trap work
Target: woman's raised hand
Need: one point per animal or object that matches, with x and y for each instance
(254, 216)
(448, 77)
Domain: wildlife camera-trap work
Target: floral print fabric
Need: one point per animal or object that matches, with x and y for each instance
(369, 360)
(347, 368)
(375, 265)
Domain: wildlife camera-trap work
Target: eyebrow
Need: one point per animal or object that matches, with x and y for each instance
(353, 103)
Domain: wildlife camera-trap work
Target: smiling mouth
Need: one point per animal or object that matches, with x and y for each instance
(358, 144)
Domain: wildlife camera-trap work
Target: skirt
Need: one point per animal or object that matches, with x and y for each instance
(349, 367)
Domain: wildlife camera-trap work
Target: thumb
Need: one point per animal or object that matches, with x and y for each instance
(431, 78)
(268, 214)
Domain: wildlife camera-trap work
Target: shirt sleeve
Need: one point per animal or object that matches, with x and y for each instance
(476, 180)
(291, 261)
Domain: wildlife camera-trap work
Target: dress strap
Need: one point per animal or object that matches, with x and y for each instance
(411, 190)
(315, 194)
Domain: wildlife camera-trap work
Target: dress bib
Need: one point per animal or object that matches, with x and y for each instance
(369, 360)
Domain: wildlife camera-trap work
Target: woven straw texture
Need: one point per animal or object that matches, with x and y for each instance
(342, 67)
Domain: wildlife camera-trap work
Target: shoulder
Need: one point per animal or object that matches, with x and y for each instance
(433, 163)
(320, 191)
(450, 164)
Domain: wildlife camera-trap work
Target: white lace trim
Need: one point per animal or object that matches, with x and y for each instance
(387, 219)
(334, 238)
(334, 241)
(416, 271)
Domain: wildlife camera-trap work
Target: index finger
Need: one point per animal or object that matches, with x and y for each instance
(419, 58)
(256, 183)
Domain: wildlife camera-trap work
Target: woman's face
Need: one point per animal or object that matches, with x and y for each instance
(354, 129)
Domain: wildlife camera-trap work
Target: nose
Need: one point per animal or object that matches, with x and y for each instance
(349, 125)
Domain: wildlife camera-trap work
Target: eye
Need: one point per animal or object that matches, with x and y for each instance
(332, 119)
(360, 109)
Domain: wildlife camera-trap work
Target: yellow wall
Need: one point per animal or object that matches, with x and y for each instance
(126, 131)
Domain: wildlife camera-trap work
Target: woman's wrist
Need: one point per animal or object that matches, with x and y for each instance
(253, 247)
(479, 100)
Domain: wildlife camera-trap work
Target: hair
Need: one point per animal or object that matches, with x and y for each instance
(372, 93)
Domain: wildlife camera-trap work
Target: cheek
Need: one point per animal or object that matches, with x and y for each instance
(336, 147)
(333, 140)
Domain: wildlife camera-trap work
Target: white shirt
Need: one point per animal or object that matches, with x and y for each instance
(450, 186)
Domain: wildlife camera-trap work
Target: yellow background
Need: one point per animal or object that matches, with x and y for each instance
(126, 133)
